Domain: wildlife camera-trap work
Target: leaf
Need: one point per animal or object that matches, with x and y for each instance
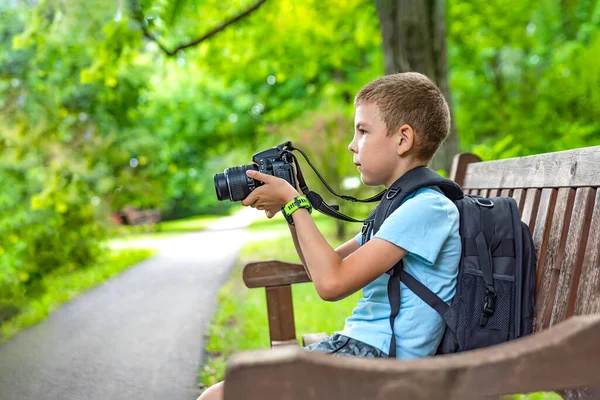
(175, 9)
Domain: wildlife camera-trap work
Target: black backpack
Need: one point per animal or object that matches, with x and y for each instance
(495, 287)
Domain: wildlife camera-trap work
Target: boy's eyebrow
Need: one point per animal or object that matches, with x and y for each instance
(363, 124)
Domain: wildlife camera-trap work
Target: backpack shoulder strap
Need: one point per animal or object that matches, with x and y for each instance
(409, 183)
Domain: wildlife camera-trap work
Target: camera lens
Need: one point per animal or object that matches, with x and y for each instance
(233, 183)
(221, 186)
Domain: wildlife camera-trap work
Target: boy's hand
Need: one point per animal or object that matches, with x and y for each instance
(271, 196)
(296, 176)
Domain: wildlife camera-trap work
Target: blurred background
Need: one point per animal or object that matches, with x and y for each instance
(109, 104)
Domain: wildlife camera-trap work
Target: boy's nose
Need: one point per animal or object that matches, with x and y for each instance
(351, 146)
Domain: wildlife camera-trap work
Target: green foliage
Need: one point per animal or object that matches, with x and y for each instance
(525, 81)
(52, 174)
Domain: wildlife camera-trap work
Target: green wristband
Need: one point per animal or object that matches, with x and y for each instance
(295, 204)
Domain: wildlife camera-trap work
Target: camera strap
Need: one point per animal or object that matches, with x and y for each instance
(316, 199)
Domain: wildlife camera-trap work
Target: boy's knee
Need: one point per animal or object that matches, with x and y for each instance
(215, 392)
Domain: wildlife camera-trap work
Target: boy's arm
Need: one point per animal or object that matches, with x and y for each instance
(344, 250)
(298, 249)
(334, 276)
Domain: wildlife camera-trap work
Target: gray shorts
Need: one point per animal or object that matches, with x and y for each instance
(343, 345)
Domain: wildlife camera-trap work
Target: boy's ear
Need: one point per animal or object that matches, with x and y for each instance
(406, 139)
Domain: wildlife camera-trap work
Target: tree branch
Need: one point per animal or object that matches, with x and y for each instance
(137, 13)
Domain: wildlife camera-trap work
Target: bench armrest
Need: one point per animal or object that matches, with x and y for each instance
(566, 356)
(271, 273)
(277, 277)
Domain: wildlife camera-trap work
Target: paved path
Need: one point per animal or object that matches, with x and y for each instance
(138, 335)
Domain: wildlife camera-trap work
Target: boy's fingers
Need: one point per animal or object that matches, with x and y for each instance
(259, 176)
(296, 177)
(249, 200)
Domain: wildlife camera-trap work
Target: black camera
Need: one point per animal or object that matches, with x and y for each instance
(235, 185)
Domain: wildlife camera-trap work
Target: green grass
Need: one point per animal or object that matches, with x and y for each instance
(240, 322)
(63, 286)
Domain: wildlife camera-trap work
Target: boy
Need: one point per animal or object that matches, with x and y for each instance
(400, 122)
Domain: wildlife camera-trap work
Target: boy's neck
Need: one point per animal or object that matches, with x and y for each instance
(403, 167)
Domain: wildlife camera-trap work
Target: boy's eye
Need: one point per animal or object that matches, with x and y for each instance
(362, 131)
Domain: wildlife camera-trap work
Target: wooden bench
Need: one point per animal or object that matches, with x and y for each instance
(558, 197)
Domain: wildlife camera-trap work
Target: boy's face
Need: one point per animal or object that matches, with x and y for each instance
(375, 152)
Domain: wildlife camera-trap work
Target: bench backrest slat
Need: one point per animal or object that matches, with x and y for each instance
(529, 207)
(588, 291)
(571, 265)
(519, 196)
(552, 259)
(541, 233)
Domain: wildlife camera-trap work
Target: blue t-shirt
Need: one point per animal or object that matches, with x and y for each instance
(426, 226)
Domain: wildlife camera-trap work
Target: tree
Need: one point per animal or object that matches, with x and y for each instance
(174, 9)
(414, 39)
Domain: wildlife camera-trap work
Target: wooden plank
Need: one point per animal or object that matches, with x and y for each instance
(459, 166)
(541, 230)
(552, 258)
(571, 168)
(293, 342)
(273, 273)
(588, 296)
(280, 310)
(519, 196)
(483, 192)
(310, 338)
(565, 356)
(506, 193)
(531, 201)
(493, 193)
(571, 266)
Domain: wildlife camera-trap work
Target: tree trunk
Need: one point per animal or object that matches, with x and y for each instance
(414, 39)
